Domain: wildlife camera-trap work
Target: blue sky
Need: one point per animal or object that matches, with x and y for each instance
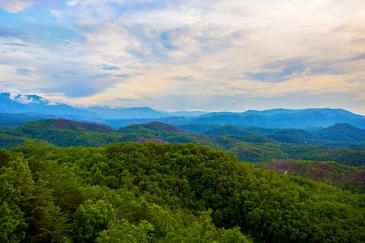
(186, 55)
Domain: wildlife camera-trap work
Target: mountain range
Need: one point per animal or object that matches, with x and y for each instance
(284, 118)
(31, 107)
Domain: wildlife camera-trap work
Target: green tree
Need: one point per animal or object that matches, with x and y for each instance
(12, 223)
(46, 222)
(123, 232)
(16, 189)
(91, 218)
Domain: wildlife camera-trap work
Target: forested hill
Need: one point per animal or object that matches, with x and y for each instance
(251, 144)
(164, 193)
(63, 132)
(57, 131)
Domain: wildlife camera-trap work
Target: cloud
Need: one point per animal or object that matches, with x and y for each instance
(15, 6)
(229, 53)
(18, 6)
(24, 71)
(183, 78)
(122, 76)
(358, 57)
(279, 71)
(109, 67)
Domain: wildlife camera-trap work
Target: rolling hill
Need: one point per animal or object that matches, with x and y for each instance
(342, 133)
(63, 132)
(256, 147)
(162, 132)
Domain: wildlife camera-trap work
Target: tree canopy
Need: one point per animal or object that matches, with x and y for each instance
(133, 192)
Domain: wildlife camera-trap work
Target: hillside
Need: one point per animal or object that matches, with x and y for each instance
(295, 136)
(62, 132)
(9, 121)
(157, 131)
(70, 125)
(259, 135)
(8, 140)
(230, 130)
(342, 133)
(346, 177)
(165, 193)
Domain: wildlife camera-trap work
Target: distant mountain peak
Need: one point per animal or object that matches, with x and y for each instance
(25, 99)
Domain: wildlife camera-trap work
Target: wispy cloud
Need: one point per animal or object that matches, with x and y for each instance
(109, 67)
(24, 71)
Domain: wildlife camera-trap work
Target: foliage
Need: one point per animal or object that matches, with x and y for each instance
(347, 177)
(134, 192)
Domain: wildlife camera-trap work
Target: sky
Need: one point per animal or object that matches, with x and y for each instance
(211, 55)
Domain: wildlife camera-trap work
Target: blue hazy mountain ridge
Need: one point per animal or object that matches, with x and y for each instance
(284, 118)
(18, 104)
(173, 120)
(126, 113)
(338, 134)
(37, 106)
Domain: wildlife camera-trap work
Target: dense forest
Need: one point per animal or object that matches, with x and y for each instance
(67, 181)
(134, 192)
